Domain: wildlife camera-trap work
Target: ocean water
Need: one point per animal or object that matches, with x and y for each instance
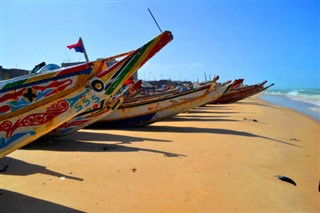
(306, 101)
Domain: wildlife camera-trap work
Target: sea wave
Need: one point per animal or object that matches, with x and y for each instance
(311, 96)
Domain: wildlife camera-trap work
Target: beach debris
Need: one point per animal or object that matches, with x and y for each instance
(286, 179)
(294, 139)
(254, 120)
(62, 177)
(134, 170)
(4, 169)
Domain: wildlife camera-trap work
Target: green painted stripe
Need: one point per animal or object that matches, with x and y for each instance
(127, 68)
(14, 84)
(116, 105)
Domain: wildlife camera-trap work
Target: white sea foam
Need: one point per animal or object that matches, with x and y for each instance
(316, 109)
(306, 101)
(311, 96)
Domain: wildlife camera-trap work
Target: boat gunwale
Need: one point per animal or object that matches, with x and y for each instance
(55, 76)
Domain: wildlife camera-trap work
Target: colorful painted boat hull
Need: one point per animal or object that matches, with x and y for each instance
(33, 121)
(103, 108)
(21, 94)
(20, 127)
(86, 118)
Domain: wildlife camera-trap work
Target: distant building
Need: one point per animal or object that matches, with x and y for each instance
(164, 82)
(11, 73)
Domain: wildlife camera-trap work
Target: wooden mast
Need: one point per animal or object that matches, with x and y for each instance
(84, 50)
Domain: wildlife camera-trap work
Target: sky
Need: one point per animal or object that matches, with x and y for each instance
(276, 40)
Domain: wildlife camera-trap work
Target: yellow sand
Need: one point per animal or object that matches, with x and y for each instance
(213, 159)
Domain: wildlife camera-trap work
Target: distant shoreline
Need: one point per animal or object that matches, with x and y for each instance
(308, 109)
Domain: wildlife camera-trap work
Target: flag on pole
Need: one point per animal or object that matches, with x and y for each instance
(78, 47)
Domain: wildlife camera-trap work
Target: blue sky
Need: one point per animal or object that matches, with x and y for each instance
(278, 41)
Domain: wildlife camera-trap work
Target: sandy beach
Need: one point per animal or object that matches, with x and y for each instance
(217, 158)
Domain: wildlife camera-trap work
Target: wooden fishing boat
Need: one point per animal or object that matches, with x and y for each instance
(148, 111)
(102, 109)
(83, 86)
(239, 93)
(136, 98)
(263, 89)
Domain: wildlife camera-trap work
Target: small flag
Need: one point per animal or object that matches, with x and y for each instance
(78, 47)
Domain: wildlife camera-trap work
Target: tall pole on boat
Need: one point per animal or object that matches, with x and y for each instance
(84, 50)
(155, 20)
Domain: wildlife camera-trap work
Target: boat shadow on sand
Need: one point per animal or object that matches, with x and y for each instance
(12, 166)
(186, 130)
(255, 104)
(211, 110)
(16, 202)
(86, 141)
(186, 117)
